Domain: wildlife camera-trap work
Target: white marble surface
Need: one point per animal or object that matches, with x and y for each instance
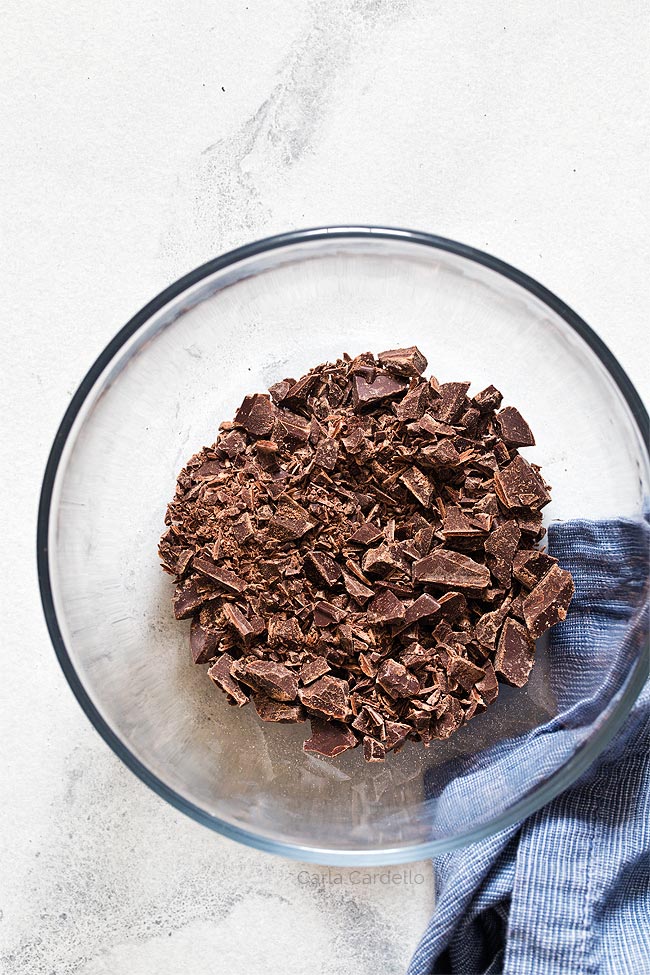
(142, 139)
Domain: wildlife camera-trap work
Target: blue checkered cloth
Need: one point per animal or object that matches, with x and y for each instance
(566, 892)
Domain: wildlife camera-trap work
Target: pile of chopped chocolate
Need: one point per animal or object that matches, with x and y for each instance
(359, 549)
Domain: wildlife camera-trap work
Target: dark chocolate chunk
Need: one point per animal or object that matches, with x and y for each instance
(322, 568)
(386, 608)
(373, 750)
(530, 566)
(442, 455)
(273, 679)
(204, 643)
(423, 607)
(451, 403)
(488, 399)
(325, 614)
(368, 395)
(465, 672)
(328, 696)
(360, 593)
(514, 429)
(549, 601)
(515, 654)
(256, 415)
(217, 573)
(403, 362)
(189, 597)
(270, 710)
(521, 486)
(452, 570)
(488, 686)
(419, 485)
(220, 674)
(316, 668)
(366, 534)
(396, 680)
(500, 548)
(239, 622)
(414, 404)
(327, 453)
(329, 738)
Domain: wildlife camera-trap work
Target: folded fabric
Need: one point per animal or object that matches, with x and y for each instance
(568, 890)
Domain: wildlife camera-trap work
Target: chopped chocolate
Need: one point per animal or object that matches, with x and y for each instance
(366, 534)
(256, 415)
(386, 608)
(329, 738)
(515, 654)
(322, 568)
(328, 697)
(403, 362)
(423, 607)
(514, 429)
(520, 486)
(453, 570)
(368, 395)
(204, 643)
(419, 485)
(360, 547)
(316, 668)
(373, 750)
(273, 679)
(396, 680)
(530, 565)
(270, 710)
(219, 672)
(500, 548)
(217, 573)
(549, 601)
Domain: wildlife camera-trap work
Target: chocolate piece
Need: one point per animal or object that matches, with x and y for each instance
(217, 573)
(270, 710)
(313, 670)
(322, 568)
(327, 453)
(273, 679)
(220, 674)
(386, 609)
(521, 486)
(465, 672)
(360, 593)
(549, 601)
(367, 395)
(373, 750)
(451, 402)
(443, 455)
(396, 680)
(500, 548)
(514, 429)
(419, 485)
(328, 696)
(189, 597)
(488, 399)
(403, 362)
(515, 654)
(204, 643)
(530, 566)
(237, 620)
(414, 405)
(256, 415)
(488, 686)
(366, 534)
(364, 539)
(325, 614)
(423, 607)
(451, 569)
(329, 738)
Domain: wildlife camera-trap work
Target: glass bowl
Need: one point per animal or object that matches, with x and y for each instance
(158, 393)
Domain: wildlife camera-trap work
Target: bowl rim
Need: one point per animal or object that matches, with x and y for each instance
(525, 806)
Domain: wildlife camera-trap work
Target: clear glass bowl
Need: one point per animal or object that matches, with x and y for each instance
(158, 393)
